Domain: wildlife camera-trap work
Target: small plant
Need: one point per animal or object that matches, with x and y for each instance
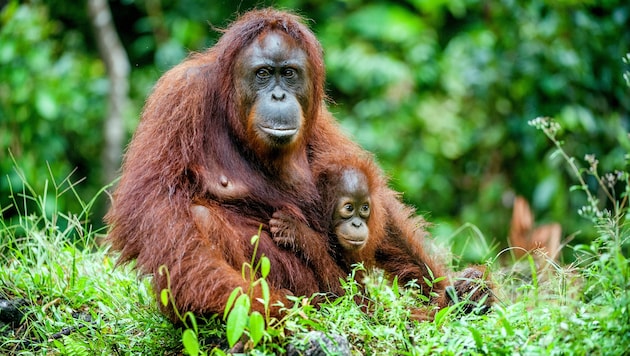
(608, 217)
(190, 334)
(239, 318)
(606, 267)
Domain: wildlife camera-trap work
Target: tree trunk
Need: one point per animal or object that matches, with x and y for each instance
(117, 64)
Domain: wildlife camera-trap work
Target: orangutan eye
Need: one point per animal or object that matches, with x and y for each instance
(289, 73)
(263, 73)
(365, 210)
(346, 210)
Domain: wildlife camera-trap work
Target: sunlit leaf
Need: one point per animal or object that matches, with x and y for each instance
(265, 291)
(237, 320)
(256, 327)
(228, 305)
(190, 342)
(265, 266)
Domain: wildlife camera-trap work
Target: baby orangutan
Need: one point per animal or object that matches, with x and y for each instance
(350, 216)
(359, 228)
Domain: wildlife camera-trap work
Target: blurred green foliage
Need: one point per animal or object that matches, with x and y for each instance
(440, 91)
(52, 100)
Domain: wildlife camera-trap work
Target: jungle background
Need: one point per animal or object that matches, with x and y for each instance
(440, 91)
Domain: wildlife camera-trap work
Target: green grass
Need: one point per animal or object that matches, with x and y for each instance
(77, 302)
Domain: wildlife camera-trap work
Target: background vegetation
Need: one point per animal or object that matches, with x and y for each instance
(440, 91)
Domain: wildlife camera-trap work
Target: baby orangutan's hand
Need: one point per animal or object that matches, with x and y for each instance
(283, 229)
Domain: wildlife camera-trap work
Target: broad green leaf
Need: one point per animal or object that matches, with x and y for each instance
(243, 302)
(237, 320)
(191, 345)
(256, 327)
(230, 301)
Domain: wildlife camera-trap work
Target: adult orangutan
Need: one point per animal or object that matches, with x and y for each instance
(227, 138)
